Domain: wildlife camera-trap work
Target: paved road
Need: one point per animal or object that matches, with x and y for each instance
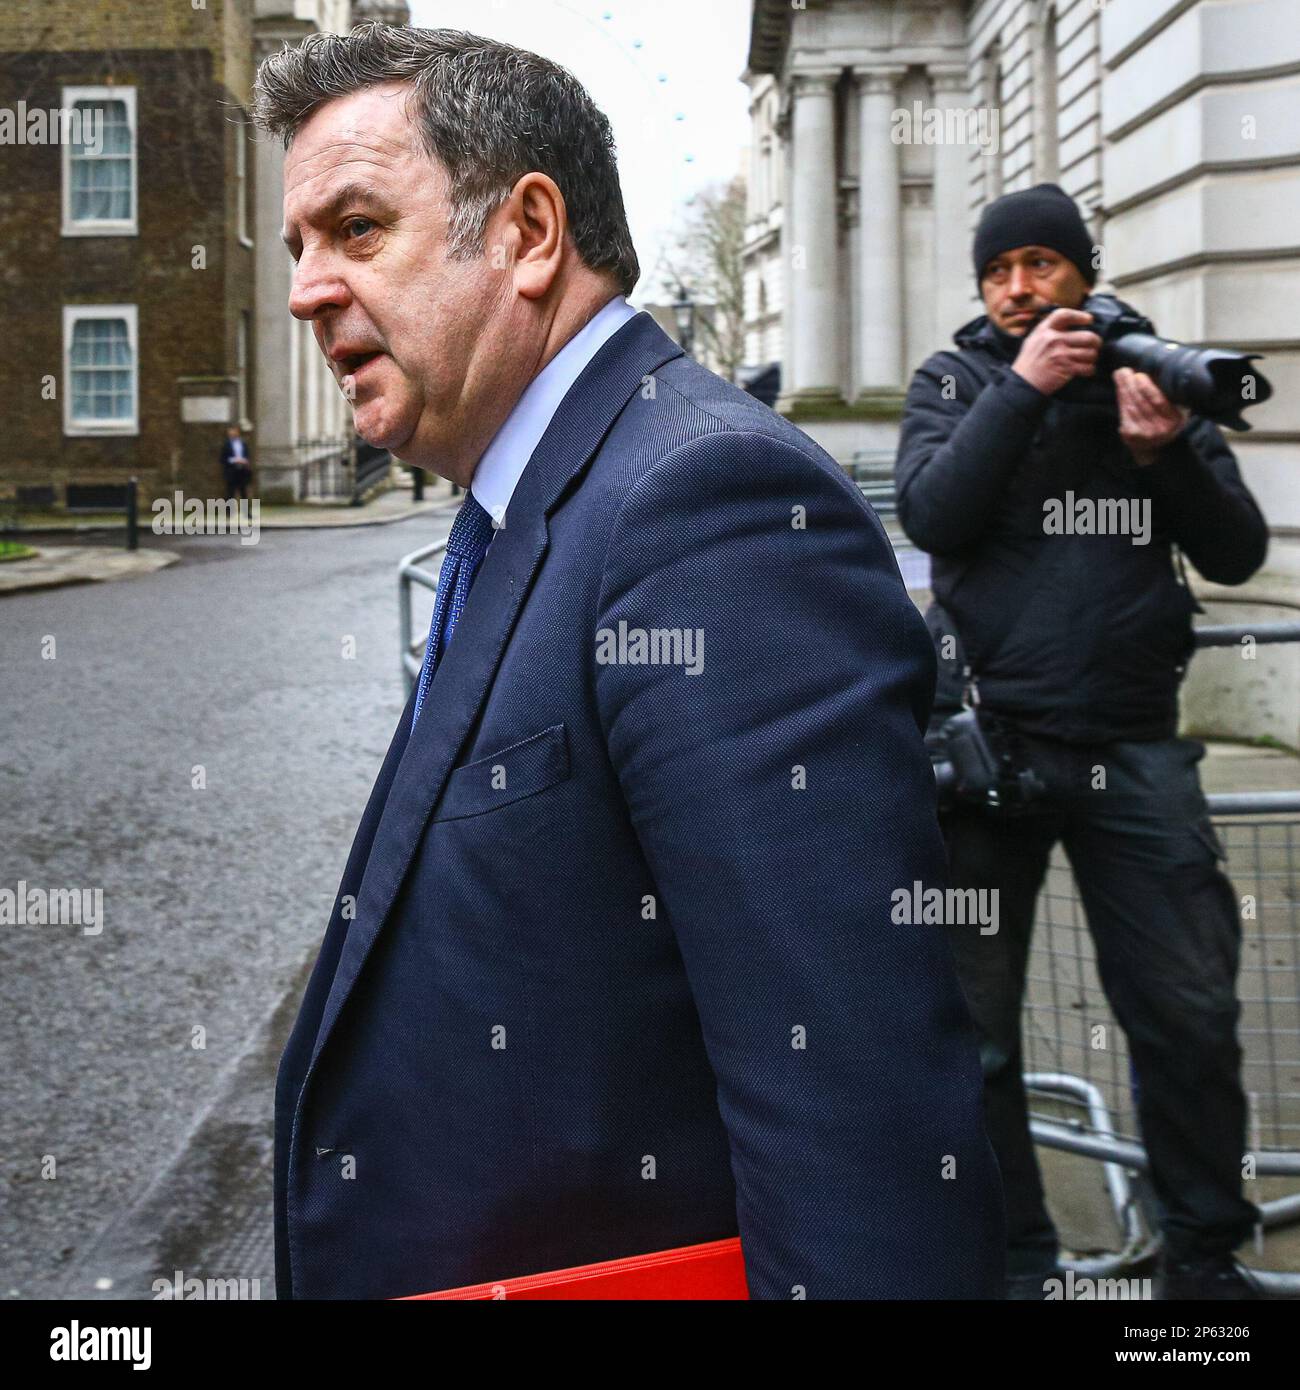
(214, 897)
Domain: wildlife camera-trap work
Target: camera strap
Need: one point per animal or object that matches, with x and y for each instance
(1183, 580)
(1008, 619)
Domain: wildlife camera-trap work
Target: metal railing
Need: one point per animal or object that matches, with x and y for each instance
(342, 474)
(410, 571)
(1090, 1091)
(871, 465)
(11, 521)
(326, 478)
(371, 467)
(873, 471)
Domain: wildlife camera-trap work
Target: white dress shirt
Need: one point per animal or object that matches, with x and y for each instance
(512, 446)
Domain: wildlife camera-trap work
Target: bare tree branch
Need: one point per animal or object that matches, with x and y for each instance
(706, 260)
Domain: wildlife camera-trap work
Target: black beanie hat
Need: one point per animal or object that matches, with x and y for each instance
(1042, 216)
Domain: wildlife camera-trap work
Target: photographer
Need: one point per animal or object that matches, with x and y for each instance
(1052, 499)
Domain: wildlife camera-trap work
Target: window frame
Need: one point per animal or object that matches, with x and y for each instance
(115, 226)
(84, 429)
(242, 209)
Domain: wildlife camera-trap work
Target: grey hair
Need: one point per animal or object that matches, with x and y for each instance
(486, 111)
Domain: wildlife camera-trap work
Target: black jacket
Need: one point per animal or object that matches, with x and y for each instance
(1102, 627)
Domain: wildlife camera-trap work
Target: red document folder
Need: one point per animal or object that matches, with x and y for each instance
(712, 1271)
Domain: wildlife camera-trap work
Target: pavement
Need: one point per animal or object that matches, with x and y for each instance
(382, 510)
(54, 566)
(59, 563)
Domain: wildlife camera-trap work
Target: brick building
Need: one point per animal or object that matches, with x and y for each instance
(129, 256)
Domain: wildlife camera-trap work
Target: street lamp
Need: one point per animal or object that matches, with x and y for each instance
(684, 312)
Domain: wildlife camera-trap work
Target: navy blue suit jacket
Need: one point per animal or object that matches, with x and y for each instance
(612, 967)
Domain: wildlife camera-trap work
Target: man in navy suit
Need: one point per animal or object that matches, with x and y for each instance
(626, 954)
(236, 466)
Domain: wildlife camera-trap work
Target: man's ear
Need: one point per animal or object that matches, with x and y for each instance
(536, 223)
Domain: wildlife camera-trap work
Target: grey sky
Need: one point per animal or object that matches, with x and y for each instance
(698, 46)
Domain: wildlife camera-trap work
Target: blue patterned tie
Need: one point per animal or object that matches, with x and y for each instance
(466, 546)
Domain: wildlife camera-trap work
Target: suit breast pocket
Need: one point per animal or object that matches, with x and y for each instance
(499, 779)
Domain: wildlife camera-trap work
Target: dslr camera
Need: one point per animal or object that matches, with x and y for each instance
(978, 761)
(1211, 382)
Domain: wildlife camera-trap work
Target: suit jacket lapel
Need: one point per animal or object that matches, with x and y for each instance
(465, 671)
(312, 1008)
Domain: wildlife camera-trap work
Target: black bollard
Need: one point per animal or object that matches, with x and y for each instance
(133, 515)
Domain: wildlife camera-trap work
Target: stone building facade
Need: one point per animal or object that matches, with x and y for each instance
(1175, 124)
(881, 128)
(304, 426)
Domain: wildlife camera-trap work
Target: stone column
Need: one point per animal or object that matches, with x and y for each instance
(813, 265)
(954, 279)
(274, 406)
(880, 262)
(788, 243)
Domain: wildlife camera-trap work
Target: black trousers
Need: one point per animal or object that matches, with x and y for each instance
(1166, 930)
(237, 480)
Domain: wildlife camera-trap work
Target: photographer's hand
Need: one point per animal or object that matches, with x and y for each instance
(1148, 419)
(1056, 351)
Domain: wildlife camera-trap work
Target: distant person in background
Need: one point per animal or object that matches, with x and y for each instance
(236, 465)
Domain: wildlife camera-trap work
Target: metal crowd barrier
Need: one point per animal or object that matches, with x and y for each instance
(410, 572)
(873, 471)
(1082, 1097)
